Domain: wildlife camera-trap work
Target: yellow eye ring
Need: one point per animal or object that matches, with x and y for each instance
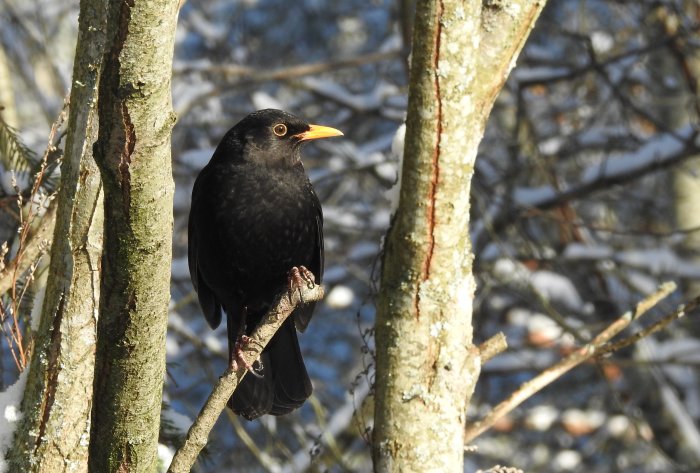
(280, 129)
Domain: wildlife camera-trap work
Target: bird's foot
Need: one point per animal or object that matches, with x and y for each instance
(297, 277)
(237, 358)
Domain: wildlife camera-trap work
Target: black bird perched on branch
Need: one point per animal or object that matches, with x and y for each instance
(254, 218)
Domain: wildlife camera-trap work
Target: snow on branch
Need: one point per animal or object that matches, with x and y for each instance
(661, 151)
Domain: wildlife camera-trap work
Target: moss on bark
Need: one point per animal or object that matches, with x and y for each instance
(133, 154)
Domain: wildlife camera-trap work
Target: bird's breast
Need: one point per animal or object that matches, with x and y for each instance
(268, 224)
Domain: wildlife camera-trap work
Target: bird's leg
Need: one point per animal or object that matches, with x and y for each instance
(241, 341)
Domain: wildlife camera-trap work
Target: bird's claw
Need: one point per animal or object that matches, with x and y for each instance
(238, 360)
(297, 277)
(300, 275)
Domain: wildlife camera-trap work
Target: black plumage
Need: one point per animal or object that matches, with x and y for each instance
(254, 216)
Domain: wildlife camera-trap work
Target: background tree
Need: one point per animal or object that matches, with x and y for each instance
(56, 421)
(427, 366)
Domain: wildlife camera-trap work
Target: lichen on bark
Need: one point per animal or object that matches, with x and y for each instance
(133, 154)
(426, 365)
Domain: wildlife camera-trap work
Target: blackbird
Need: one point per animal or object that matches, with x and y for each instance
(254, 218)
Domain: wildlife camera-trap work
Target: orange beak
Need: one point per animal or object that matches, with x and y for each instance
(317, 131)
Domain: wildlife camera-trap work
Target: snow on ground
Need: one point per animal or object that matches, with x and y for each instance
(10, 415)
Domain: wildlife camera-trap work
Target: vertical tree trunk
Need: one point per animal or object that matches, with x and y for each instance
(680, 106)
(677, 75)
(8, 113)
(133, 153)
(53, 433)
(426, 365)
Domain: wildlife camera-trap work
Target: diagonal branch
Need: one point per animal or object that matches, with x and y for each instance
(197, 436)
(599, 345)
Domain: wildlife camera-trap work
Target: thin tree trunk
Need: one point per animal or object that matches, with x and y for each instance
(8, 113)
(677, 75)
(426, 365)
(133, 153)
(680, 105)
(53, 433)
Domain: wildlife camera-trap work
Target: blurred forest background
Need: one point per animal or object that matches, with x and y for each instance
(586, 197)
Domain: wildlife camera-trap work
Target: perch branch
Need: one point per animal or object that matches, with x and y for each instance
(198, 434)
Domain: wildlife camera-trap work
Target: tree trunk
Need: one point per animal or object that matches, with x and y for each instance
(53, 433)
(426, 365)
(680, 106)
(133, 153)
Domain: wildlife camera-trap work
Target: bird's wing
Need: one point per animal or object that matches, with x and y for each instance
(302, 314)
(211, 307)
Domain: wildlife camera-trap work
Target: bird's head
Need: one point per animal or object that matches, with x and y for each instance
(271, 138)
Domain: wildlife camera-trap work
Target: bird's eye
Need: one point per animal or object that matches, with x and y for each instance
(280, 129)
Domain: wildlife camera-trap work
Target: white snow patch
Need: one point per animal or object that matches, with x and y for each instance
(214, 345)
(10, 400)
(657, 149)
(508, 270)
(340, 297)
(165, 454)
(262, 100)
(618, 426)
(544, 326)
(567, 460)
(602, 41)
(552, 145)
(555, 287)
(592, 419)
(541, 418)
(587, 252)
(660, 261)
(172, 347)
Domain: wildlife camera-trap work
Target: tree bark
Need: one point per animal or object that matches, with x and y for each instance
(133, 154)
(426, 365)
(53, 433)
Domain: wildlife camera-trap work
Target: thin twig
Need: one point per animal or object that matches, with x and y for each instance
(23, 265)
(34, 247)
(586, 352)
(682, 310)
(197, 436)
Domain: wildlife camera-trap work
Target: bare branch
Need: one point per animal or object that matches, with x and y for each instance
(596, 347)
(682, 310)
(492, 347)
